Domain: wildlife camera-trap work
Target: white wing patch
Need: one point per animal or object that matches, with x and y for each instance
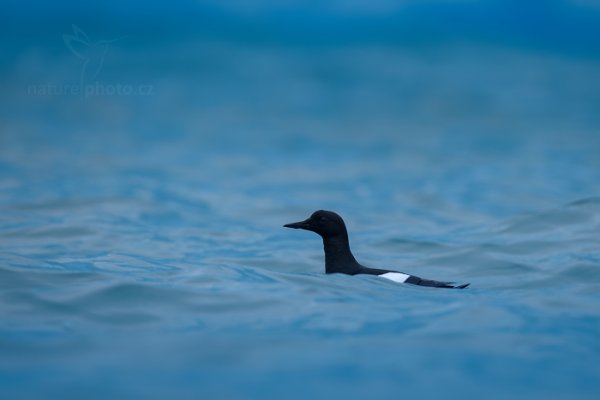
(395, 276)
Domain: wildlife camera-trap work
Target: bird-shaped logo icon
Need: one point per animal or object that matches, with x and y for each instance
(92, 53)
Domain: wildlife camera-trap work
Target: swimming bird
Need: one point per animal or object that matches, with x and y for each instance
(339, 259)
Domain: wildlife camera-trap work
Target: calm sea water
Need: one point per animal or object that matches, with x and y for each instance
(142, 253)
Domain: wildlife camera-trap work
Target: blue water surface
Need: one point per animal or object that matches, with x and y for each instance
(142, 253)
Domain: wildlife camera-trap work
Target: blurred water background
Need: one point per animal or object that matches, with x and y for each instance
(150, 154)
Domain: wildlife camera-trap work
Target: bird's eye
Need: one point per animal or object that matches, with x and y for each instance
(322, 219)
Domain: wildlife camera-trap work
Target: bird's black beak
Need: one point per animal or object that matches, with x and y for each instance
(306, 224)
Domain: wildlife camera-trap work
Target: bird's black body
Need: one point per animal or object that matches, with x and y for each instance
(339, 258)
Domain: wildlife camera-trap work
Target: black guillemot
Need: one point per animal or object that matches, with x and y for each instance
(339, 259)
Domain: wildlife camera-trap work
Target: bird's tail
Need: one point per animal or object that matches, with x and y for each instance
(415, 280)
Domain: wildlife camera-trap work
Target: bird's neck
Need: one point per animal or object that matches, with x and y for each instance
(338, 257)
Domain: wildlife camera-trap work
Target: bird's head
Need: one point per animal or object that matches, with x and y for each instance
(326, 223)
